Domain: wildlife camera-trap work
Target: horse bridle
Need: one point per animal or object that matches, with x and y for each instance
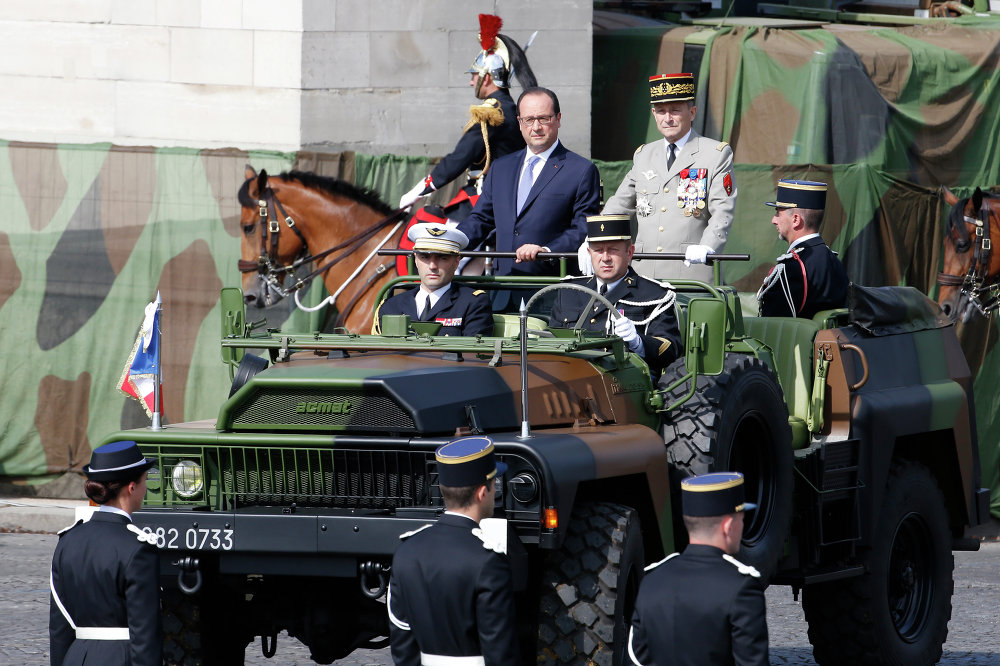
(982, 292)
(273, 273)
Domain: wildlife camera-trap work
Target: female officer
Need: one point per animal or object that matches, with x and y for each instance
(105, 606)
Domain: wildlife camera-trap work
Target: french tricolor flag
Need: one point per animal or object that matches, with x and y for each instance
(142, 369)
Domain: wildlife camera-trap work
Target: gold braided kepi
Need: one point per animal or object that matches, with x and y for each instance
(671, 88)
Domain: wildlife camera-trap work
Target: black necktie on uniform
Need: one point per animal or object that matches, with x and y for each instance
(425, 311)
(672, 156)
(603, 290)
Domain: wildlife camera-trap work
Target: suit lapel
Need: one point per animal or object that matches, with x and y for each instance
(548, 172)
(443, 302)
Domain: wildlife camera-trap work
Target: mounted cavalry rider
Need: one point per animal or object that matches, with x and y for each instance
(648, 324)
(809, 277)
(680, 190)
(492, 130)
(105, 604)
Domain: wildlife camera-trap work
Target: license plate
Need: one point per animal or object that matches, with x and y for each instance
(192, 538)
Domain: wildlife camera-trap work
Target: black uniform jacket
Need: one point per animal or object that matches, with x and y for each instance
(460, 310)
(105, 577)
(817, 281)
(702, 609)
(470, 153)
(451, 595)
(660, 337)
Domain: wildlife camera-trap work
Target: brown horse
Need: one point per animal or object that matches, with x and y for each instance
(970, 281)
(300, 219)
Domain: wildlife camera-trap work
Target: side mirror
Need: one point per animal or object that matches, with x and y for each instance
(234, 323)
(705, 339)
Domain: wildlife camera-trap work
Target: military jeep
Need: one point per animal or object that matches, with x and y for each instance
(854, 430)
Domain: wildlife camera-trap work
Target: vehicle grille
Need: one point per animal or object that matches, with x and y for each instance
(282, 410)
(331, 478)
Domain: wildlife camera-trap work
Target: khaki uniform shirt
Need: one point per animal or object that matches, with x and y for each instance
(649, 193)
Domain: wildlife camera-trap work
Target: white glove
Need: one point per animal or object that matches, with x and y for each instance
(583, 259)
(625, 329)
(696, 254)
(407, 200)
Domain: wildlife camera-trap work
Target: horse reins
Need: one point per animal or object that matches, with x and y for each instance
(267, 263)
(975, 283)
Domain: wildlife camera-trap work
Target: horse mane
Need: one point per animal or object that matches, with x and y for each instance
(332, 186)
(335, 187)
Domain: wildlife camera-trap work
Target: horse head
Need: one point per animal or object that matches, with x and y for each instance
(270, 244)
(970, 266)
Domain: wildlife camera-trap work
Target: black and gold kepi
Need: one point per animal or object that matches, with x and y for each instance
(715, 494)
(468, 461)
(800, 194)
(117, 461)
(671, 88)
(608, 227)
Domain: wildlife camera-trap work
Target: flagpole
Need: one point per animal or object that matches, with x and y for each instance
(156, 383)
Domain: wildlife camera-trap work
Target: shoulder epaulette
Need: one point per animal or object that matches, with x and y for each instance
(142, 535)
(69, 527)
(407, 535)
(637, 150)
(571, 277)
(656, 564)
(488, 112)
(488, 544)
(478, 291)
(744, 569)
(722, 144)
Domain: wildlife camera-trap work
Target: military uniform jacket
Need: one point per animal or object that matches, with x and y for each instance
(700, 608)
(649, 193)
(470, 152)
(105, 577)
(641, 298)
(811, 276)
(460, 310)
(450, 594)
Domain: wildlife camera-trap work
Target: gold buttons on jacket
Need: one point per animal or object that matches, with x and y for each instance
(659, 249)
(661, 228)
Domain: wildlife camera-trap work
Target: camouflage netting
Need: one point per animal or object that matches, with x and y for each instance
(886, 115)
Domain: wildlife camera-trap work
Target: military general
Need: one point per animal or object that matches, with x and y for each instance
(451, 597)
(681, 189)
(703, 607)
(808, 277)
(647, 324)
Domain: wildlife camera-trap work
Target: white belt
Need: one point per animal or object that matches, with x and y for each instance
(445, 660)
(102, 633)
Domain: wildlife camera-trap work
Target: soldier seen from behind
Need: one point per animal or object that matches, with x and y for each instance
(460, 310)
(451, 598)
(809, 277)
(647, 324)
(703, 607)
(105, 591)
(681, 189)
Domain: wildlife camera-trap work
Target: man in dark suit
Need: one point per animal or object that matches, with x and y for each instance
(536, 199)
(648, 323)
(451, 593)
(459, 309)
(105, 587)
(809, 277)
(703, 607)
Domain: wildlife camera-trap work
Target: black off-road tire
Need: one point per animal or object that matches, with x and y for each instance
(181, 629)
(738, 421)
(897, 613)
(589, 588)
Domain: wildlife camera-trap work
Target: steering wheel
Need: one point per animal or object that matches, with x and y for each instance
(594, 296)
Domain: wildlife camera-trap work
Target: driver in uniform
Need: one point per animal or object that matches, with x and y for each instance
(648, 324)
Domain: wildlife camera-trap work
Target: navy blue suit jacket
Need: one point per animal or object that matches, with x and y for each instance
(566, 191)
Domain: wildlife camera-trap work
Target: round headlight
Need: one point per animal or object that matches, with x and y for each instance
(524, 487)
(188, 478)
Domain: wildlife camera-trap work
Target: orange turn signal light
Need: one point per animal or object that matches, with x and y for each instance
(551, 519)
